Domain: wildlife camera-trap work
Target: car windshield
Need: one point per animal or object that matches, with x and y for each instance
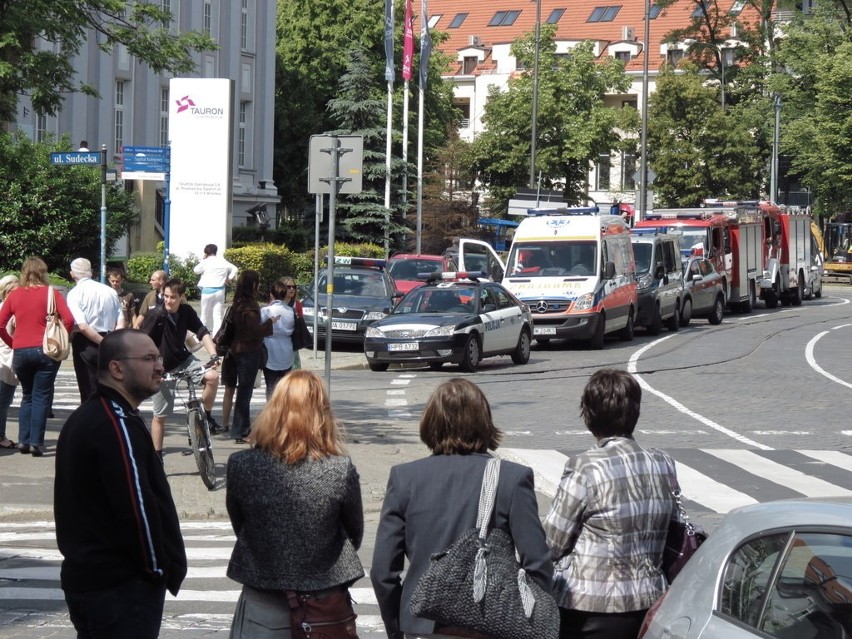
(642, 256)
(427, 299)
(408, 268)
(357, 283)
(547, 259)
(690, 238)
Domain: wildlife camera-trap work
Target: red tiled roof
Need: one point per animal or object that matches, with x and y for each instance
(572, 25)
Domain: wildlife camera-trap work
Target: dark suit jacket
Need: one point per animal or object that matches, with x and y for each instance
(429, 503)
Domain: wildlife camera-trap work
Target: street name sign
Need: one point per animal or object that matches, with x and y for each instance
(85, 158)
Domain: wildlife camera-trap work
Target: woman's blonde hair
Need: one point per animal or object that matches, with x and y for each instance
(34, 272)
(7, 283)
(297, 421)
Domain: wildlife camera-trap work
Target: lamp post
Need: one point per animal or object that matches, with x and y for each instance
(643, 166)
(776, 138)
(535, 91)
(721, 50)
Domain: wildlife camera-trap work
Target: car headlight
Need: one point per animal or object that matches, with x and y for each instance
(373, 332)
(375, 315)
(584, 302)
(644, 282)
(308, 310)
(441, 331)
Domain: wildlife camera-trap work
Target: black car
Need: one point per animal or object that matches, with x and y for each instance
(363, 293)
(453, 321)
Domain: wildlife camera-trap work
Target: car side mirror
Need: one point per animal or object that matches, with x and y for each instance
(659, 272)
(609, 270)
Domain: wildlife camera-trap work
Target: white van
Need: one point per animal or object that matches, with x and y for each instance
(575, 270)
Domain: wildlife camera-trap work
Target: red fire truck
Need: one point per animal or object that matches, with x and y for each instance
(729, 234)
(788, 256)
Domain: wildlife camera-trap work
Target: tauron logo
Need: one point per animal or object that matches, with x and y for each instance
(184, 103)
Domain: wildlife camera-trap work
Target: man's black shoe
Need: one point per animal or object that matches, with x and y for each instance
(213, 425)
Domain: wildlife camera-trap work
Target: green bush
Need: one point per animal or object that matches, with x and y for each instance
(141, 265)
(272, 261)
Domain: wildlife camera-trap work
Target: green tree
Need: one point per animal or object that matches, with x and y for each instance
(47, 75)
(696, 149)
(54, 211)
(573, 126)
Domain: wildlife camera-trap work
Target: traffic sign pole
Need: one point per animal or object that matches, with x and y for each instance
(103, 212)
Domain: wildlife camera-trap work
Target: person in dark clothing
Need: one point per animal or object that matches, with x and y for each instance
(247, 348)
(168, 327)
(116, 522)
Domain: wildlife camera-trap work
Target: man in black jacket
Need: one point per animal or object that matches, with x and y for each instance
(116, 522)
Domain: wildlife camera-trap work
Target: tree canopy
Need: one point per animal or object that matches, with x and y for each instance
(46, 74)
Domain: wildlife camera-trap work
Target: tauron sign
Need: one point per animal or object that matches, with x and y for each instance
(186, 103)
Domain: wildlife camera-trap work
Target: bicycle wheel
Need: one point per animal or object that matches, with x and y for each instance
(199, 441)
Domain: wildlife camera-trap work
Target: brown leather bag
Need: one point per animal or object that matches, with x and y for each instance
(326, 615)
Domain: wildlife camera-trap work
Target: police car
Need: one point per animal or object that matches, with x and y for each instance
(363, 292)
(454, 317)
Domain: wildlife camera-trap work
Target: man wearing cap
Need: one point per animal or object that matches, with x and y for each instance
(95, 308)
(215, 274)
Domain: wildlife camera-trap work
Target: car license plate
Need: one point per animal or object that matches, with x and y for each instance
(344, 326)
(544, 330)
(404, 346)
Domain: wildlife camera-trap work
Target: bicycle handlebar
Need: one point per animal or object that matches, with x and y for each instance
(186, 373)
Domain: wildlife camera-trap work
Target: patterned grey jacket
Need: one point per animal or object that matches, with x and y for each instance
(298, 526)
(607, 527)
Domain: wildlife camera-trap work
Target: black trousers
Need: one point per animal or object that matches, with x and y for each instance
(579, 624)
(85, 357)
(132, 610)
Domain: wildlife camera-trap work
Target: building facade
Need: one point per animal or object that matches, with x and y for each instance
(133, 107)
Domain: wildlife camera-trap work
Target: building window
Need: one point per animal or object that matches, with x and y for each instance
(737, 7)
(604, 14)
(464, 109)
(504, 18)
(628, 168)
(164, 116)
(604, 167)
(118, 115)
(241, 142)
(674, 56)
(41, 127)
(623, 56)
(207, 17)
(554, 16)
(654, 11)
(470, 64)
(244, 25)
(628, 104)
(457, 21)
(433, 21)
(700, 11)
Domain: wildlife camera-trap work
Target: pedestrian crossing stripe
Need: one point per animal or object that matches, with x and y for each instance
(718, 480)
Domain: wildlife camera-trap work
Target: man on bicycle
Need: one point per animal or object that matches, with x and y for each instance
(168, 327)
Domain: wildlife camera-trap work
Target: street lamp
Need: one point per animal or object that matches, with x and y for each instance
(721, 50)
(776, 138)
(643, 165)
(535, 91)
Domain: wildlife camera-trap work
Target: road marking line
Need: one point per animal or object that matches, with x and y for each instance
(705, 490)
(809, 356)
(396, 402)
(781, 432)
(547, 465)
(833, 457)
(631, 368)
(400, 382)
(779, 473)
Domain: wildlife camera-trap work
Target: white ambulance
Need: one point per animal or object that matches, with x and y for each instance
(574, 269)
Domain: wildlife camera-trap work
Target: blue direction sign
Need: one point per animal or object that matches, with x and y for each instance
(76, 157)
(151, 159)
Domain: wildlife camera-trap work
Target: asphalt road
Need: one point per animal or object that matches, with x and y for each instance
(752, 410)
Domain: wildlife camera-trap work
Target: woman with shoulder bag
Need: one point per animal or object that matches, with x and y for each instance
(247, 348)
(279, 345)
(35, 370)
(294, 500)
(431, 502)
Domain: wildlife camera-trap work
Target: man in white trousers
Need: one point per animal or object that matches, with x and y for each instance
(215, 274)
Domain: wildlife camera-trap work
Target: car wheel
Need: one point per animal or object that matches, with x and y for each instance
(379, 367)
(521, 354)
(673, 323)
(436, 366)
(686, 312)
(656, 323)
(771, 297)
(627, 333)
(596, 342)
(718, 310)
(799, 293)
(471, 354)
(818, 292)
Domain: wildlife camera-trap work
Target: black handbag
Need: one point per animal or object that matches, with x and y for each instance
(225, 335)
(477, 583)
(301, 337)
(683, 538)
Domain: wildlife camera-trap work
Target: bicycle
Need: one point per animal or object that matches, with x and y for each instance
(197, 426)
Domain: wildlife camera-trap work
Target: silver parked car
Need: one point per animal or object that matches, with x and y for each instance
(704, 295)
(778, 569)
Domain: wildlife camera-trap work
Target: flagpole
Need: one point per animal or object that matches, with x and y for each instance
(405, 99)
(389, 74)
(407, 62)
(425, 50)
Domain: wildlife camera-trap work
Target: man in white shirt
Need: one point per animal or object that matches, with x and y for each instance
(215, 274)
(96, 308)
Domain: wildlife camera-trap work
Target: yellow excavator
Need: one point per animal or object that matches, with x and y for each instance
(837, 249)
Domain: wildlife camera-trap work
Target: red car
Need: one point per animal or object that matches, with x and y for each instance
(403, 268)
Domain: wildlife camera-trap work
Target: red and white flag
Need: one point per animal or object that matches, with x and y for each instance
(408, 42)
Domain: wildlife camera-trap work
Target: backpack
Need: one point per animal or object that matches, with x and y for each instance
(225, 335)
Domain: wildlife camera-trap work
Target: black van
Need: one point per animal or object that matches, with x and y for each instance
(659, 280)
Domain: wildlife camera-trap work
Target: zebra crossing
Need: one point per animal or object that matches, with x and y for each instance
(717, 480)
(31, 596)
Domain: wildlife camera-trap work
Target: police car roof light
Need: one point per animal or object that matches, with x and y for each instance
(453, 276)
(565, 210)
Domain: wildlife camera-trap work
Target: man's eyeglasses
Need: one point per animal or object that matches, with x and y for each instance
(291, 286)
(146, 358)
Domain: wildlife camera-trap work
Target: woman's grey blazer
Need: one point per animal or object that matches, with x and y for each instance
(429, 503)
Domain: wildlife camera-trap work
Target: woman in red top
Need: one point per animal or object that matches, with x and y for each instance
(35, 370)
